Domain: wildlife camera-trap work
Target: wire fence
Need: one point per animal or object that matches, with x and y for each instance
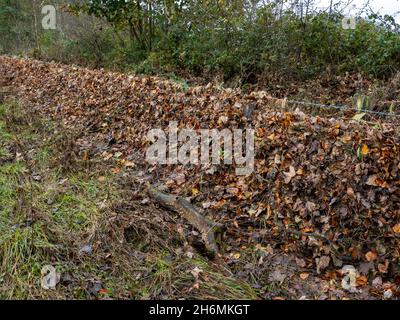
(339, 107)
(394, 122)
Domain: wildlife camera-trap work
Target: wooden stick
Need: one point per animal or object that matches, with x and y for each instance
(190, 214)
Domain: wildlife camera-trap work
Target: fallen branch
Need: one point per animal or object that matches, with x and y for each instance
(206, 227)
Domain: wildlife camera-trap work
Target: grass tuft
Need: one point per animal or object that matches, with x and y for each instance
(103, 243)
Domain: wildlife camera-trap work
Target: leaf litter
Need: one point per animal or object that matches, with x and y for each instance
(325, 190)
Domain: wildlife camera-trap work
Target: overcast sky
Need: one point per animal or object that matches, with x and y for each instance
(391, 7)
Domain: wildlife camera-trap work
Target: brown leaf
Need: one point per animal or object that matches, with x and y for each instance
(304, 275)
(289, 175)
(362, 280)
(375, 181)
(396, 228)
(322, 263)
(371, 256)
(364, 150)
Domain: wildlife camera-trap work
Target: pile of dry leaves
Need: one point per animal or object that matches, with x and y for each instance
(325, 189)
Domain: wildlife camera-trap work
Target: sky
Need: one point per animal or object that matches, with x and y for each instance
(391, 7)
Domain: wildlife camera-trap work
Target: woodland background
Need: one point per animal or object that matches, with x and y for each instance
(238, 42)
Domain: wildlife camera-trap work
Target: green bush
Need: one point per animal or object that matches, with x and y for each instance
(208, 39)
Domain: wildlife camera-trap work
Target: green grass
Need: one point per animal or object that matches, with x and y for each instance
(25, 244)
(47, 220)
(164, 276)
(4, 135)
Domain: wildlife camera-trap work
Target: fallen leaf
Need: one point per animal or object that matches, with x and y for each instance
(375, 181)
(362, 280)
(129, 164)
(195, 191)
(115, 170)
(364, 150)
(383, 268)
(396, 228)
(322, 263)
(277, 276)
(300, 262)
(107, 156)
(304, 275)
(289, 175)
(371, 256)
(366, 267)
(85, 156)
(377, 282)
